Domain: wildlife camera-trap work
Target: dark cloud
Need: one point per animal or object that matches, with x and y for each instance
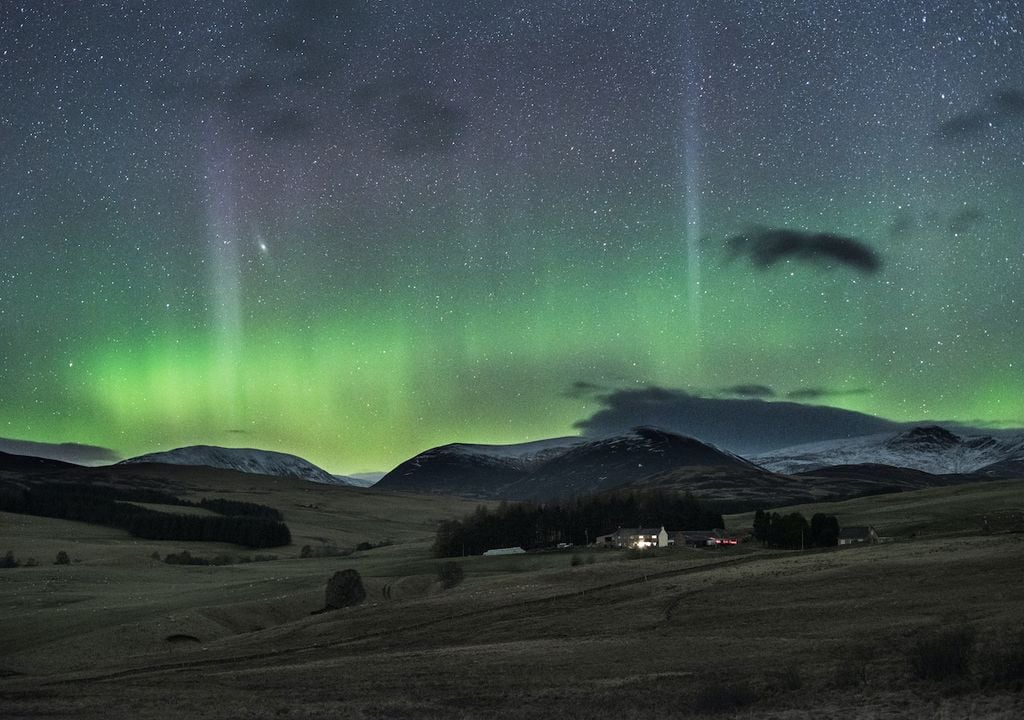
(750, 390)
(293, 59)
(582, 388)
(287, 125)
(819, 393)
(765, 247)
(68, 452)
(965, 125)
(740, 425)
(902, 225)
(964, 220)
(1009, 102)
(1003, 105)
(311, 36)
(412, 120)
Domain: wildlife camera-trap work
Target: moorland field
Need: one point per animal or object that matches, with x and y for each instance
(928, 624)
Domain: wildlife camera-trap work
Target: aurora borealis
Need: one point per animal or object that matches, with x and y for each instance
(354, 230)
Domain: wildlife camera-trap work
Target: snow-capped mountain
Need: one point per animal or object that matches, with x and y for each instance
(248, 460)
(560, 467)
(931, 449)
(363, 480)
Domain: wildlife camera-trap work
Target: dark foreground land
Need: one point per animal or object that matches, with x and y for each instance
(926, 626)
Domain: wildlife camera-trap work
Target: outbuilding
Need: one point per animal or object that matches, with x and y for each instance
(504, 551)
(858, 534)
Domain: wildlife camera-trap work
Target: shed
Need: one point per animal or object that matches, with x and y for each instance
(857, 534)
(505, 551)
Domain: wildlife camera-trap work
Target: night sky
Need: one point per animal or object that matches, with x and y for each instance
(354, 230)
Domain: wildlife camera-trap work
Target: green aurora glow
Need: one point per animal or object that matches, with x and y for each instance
(207, 286)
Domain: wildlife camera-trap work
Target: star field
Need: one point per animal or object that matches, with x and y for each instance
(354, 230)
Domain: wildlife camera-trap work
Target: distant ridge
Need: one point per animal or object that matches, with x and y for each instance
(927, 448)
(28, 463)
(248, 460)
(561, 467)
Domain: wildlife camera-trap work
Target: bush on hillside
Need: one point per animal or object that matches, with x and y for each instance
(450, 574)
(62, 559)
(943, 653)
(184, 558)
(344, 589)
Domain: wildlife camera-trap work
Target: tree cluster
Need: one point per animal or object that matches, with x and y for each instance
(792, 531)
(253, 532)
(540, 525)
(103, 505)
(235, 507)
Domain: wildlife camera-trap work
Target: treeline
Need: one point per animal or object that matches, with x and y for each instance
(793, 531)
(253, 532)
(540, 525)
(235, 507)
(113, 507)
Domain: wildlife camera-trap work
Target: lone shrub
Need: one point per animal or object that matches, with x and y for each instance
(943, 653)
(784, 680)
(1004, 660)
(62, 559)
(185, 558)
(450, 574)
(344, 590)
(852, 666)
(8, 560)
(576, 561)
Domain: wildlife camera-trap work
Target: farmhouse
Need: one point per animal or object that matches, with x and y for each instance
(857, 534)
(639, 538)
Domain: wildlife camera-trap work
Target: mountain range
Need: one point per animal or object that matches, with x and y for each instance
(932, 449)
(643, 458)
(652, 458)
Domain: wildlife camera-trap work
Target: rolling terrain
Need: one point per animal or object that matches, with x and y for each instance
(119, 634)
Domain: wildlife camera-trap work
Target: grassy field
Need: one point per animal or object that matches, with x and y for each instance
(741, 632)
(937, 511)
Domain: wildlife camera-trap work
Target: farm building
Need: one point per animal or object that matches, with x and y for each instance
(857, 534)
(703, 538)
(639, 538)
(504, 551)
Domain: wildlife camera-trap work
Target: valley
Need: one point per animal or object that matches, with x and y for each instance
(739, 632)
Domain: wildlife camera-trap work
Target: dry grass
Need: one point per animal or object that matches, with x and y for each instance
(682, 634)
